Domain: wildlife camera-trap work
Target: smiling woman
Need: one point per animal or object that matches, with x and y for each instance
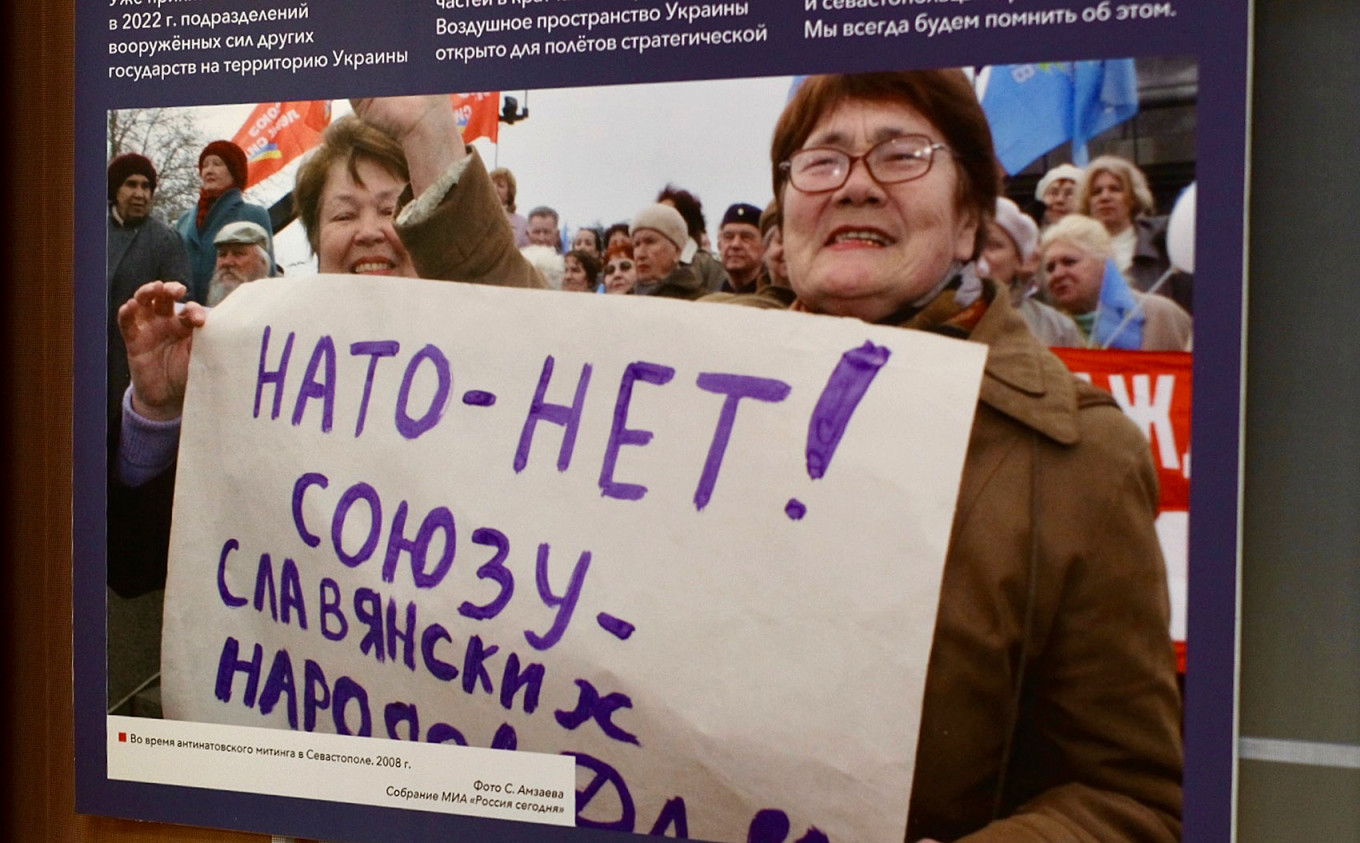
(346, 197)
(1050, 708)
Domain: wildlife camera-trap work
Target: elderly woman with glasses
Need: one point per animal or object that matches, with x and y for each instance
(1051, 709)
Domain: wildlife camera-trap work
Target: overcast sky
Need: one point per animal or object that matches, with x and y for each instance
(598, 155)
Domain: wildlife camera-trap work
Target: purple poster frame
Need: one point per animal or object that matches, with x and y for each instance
(1217, 34)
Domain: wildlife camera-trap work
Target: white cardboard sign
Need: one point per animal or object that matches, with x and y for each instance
(696, 546)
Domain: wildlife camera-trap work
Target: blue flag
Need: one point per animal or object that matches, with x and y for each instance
(1033, 108)
(1105, 94)
(1119, 319)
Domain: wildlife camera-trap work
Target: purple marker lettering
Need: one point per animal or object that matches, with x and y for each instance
(278, 685)
(231, 664)
(735, 387)
(291, 590)
(505, 737)
(359, 491)
(375, 350)
(264, 582)
(474, 665)
(444, 733)
(569, 417)
(437, 667)
(397, 713)
(347, 689)
(407, 635)
(531, 679)
(368, 610)
(493, 569)
(412, 428)
(672, 815)
(222, 591)
(841, 395)
(591, 706)
(565, 604)
(604, 775)
(275, 376)
(617, 627)
(330, 608)
(316, 694)
(311, 478)
(478, 398)
(439, 519)
(620, 434)
(768, 826)
(323, 356)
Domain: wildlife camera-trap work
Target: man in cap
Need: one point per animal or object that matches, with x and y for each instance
(242, 257)
(141, 248)
(742, 249)
(659, 234)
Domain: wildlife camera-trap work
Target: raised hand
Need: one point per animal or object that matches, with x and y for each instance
(159, 340)
(426, 128)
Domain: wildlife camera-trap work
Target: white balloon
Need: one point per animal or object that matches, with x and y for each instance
(1180, 232)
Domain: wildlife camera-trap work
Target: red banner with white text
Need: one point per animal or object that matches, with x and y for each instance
(277, 132)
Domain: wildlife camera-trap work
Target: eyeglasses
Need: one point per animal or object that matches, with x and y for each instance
(818, 169)
(611, 268)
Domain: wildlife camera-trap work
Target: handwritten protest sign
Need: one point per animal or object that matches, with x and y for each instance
(698, 547)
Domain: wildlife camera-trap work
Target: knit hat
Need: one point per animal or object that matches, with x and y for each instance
(241, 232)
(663, 219)
(232, 155)
(1058, 173)
(1018, 225)
(743, 213)
(129, 164)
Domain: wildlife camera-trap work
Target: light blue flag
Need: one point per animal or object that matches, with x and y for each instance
(1105, 94)
(1029, 107)
(1033, 108)
(1119, 319)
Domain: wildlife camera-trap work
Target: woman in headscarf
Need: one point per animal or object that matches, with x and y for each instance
(222, 177)
(1083, 279)
(1051, 709)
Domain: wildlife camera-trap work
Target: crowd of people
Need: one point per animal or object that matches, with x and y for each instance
(1051, 708)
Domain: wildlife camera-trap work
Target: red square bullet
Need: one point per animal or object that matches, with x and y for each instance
(122, 737)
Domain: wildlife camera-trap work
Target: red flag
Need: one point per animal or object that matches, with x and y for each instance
(277, 132)
(478, 114)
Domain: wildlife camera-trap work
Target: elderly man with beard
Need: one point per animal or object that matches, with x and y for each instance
(241, 258)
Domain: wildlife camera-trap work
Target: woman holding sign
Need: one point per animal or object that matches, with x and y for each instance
(392, 191)
(1051, 709)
